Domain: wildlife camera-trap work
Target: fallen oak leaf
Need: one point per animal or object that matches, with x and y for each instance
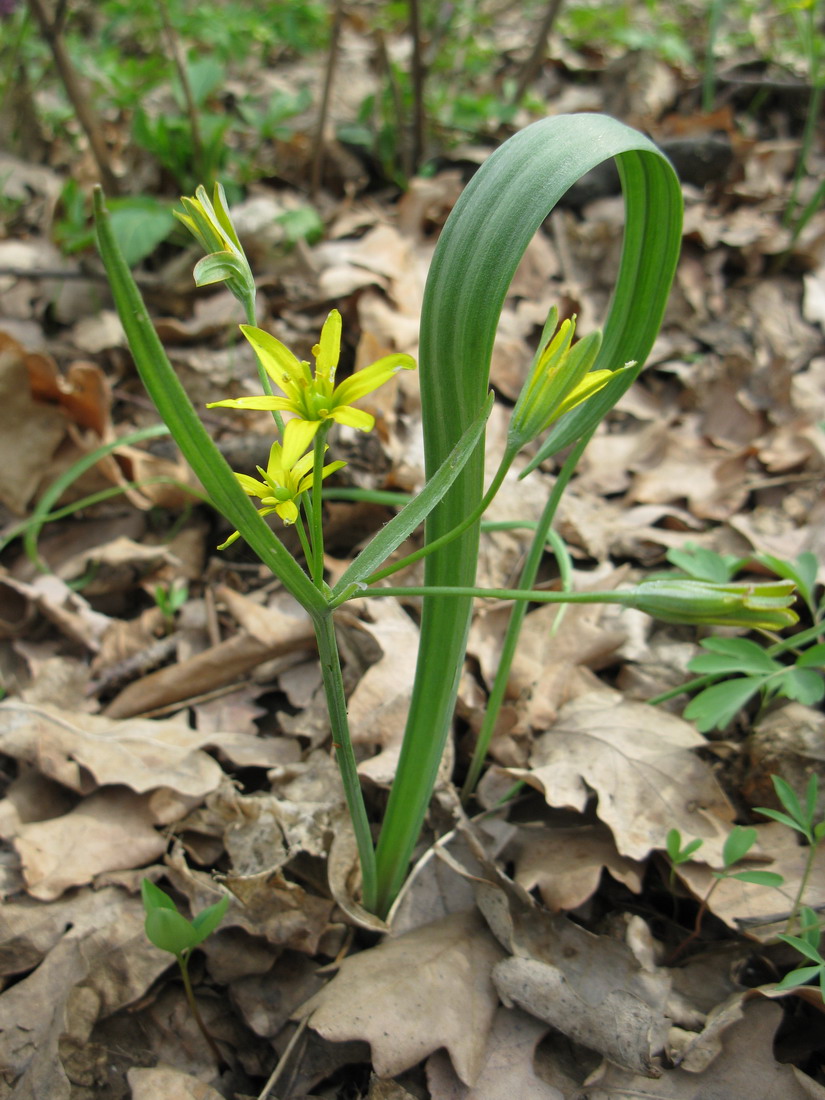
(411, 995)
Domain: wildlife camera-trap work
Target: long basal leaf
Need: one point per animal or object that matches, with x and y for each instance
(475, 260)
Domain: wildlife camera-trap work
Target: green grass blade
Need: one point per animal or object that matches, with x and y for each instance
(173, 404)
(477, 255)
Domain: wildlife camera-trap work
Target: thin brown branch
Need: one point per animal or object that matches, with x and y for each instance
(534, 62)
(418, 75)
(323, 115)
(86, 114)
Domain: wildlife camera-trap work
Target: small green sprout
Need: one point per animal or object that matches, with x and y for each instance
(801, 819)
(807, 944)
(739, 842)
(170, 599)
(169, 930)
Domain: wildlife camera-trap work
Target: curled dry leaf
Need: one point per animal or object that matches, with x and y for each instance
(639, 762)
(171, 1084)
(409, 996)
(591, 988)
(746, 1067)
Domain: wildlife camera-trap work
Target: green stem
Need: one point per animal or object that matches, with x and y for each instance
(299, 527)
(456, 532)
(519, 610)
(183, 963)
(345, 756)
(251, 319)
(803, 885)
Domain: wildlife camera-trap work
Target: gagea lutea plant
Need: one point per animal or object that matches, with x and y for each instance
(570, 387)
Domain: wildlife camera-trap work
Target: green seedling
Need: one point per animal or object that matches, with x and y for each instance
(739, 842)
(170, 599)
(807, 944)
(800, 818)
(169, 930)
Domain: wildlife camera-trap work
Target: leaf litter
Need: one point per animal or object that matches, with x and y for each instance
(528, 952)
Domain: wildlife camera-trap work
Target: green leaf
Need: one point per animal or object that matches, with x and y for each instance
(805, 685)
(476, 257)
(412, 515)
(803, 947)
(802, 572)
(139, 225)
(813, 657)
(777, 815)
(208, 920)
(717, 705)
(759, 878)
(155, 898)
(799, 977)
(809, 922)
(170, 931)
(787, 796)
(704, 564)
(737, 655)
(739, 842)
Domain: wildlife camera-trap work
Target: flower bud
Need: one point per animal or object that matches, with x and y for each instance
(225, 260)
(766, 606)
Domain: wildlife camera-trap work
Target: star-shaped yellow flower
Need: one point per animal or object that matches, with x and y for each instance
(316, 398)
(288, 473)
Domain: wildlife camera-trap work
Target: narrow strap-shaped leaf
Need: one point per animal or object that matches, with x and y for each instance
(475, 260)
(173, 404)
(402, 525)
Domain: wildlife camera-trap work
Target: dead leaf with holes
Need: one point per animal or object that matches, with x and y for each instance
(640, 763)
(410, 996)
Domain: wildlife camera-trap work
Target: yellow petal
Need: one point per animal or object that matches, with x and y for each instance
(298, 435)
(370, 378)
(354, 418)
(264, 403)
(282, 366)
(328, 351)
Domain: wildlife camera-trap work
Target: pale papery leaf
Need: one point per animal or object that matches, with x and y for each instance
(409, 996)
(508, 1069)
(639, 762)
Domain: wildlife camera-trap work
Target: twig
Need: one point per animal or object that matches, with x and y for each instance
(417, 88)
(534, 62)
(283, 1061)
(323, 114)
(179, 62)
(86, 114)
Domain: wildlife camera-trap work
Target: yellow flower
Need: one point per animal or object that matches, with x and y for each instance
(288, 473)
(559, 380)
(316, 398)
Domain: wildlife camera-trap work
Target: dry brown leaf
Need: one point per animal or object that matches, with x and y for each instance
(110, 830)
(409, 996)
(591, 988)
(29, 430)
(83, 751)
(165, 1083)
(508, 1070)
(566, 863)
(745, 1068)
(638, 761)
(102, 963)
